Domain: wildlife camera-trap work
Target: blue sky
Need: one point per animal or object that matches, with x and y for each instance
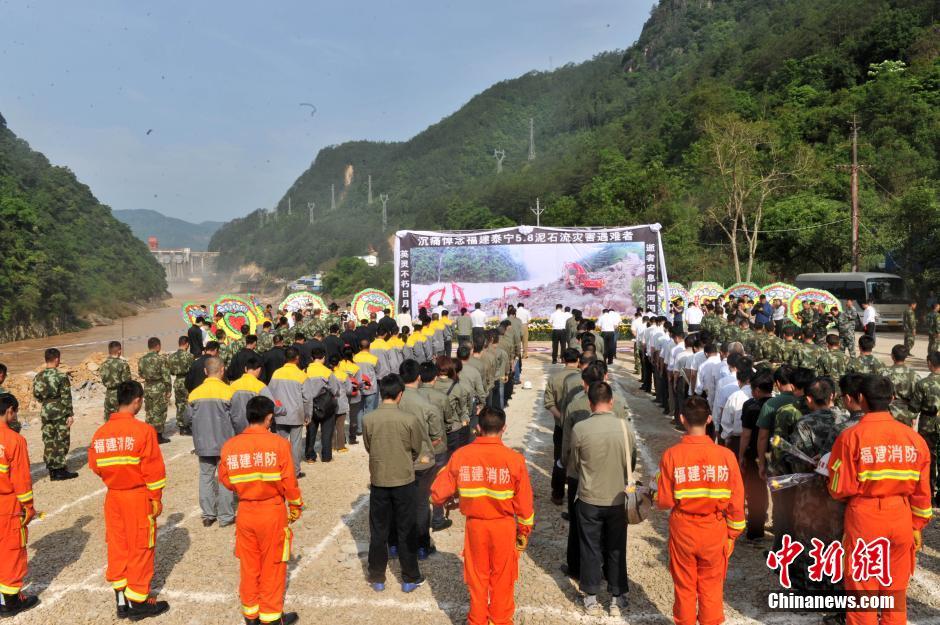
(219, 83)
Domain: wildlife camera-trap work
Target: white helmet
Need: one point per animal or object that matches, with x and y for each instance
(527, 385)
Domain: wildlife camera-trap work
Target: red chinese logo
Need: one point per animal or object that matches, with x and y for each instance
(782, 559)
(870, 560)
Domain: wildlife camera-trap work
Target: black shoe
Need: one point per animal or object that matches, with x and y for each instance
(11, 605)
(565, 516)
(185, 431)
(441, 525)
(252, 621)
(558, 500)
(208, 522)
(139, 610)
(288, 618)
(162, 440)
(58, 475)
(301, 474)
(567, 572)
(121, 602)
(353, 442)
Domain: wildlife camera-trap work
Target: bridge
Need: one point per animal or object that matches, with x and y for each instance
(184, 263)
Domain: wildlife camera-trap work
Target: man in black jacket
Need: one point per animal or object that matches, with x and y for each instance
(273, 359)
(349, 337)
(194, 334)
(237, 366)
(197, 373)
(333, 344)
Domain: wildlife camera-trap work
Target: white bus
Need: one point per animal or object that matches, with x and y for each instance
(886, 291)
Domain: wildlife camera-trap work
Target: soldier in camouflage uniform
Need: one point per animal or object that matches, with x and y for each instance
(790, 348)
(113, 371)
(925, 401)
(155, 373)
(53, 390)
(833, 363)
(265, 338)
(223, 342)
(787, 417)
(845, 325)
(179, 363)
(821, 324)
(933, 329)
(808, 354)
(807, 315)
(867, 363)
(910, 325)
(815, 513)
(904, 379)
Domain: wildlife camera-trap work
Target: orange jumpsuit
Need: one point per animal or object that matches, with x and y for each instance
(16, 496)
(258, 467)
(881, 468)
(496, 497)
(701, 483)
(124, 453)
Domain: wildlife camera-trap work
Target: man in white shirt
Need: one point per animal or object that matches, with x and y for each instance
(673, 374)
(869, 318)
(609, 321)
(523, 315)
(558, 320)
(693, 317)
(635, 326)
(727, 384)
(708, 373)
(478, 318)
(403, 319)
(437, 310)
(731, 413)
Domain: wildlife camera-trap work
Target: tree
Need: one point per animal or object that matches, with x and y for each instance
(743, 164)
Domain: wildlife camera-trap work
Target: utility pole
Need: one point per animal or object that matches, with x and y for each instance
(854, 193)
(384, 199)
(370, 189)
(310, 207)
(538, 210)
(500, 155)
(289, 211)
(531, 139)
(332, 197)
(854, 168)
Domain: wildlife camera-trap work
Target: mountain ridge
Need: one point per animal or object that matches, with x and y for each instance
(171, 232)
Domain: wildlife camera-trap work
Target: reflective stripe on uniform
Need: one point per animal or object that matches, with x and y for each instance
(134, 596)
(528, 521)
(4, 468)
(472, 493)
(9, 590)
(117, 460)
(255, 477)
(924, 513)
(156, 485)
(25, 496)
(269, 617)
(736, 525)
(889, 474)
(119, 584)
(706, 493)
(250, 610)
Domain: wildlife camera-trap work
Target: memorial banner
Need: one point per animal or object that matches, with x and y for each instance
(236, 312)
(302, 300)
(368, 301)
(813, 296)
(584, 268)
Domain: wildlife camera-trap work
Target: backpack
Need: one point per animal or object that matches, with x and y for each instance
(324, 405)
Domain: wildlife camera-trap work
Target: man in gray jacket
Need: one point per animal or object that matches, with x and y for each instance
(289, 386)
(209, 414)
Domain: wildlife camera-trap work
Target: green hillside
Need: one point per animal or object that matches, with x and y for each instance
(63, 253)
(171, 233)
(634, 137)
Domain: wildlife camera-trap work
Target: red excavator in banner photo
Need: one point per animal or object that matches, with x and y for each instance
(576, 276)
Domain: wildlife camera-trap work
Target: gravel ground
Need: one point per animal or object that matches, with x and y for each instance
(197, 572)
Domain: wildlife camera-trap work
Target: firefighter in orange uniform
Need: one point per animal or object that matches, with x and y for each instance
(257, 465)
(701, 483)
(881, 469)
(16, 511)
(496, 497)
(125, 454)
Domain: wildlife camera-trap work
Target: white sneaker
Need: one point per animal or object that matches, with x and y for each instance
(618, 605)
(591, 606)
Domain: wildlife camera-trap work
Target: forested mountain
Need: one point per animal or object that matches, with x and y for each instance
(62, 253)
(171, 233)
(715, 93)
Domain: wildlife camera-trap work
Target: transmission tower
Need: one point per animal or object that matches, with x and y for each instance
(332, 197)
(538, 210)
(500, 155)
(531, 139)
(310, 207)
(370, 189)
(384, 199)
